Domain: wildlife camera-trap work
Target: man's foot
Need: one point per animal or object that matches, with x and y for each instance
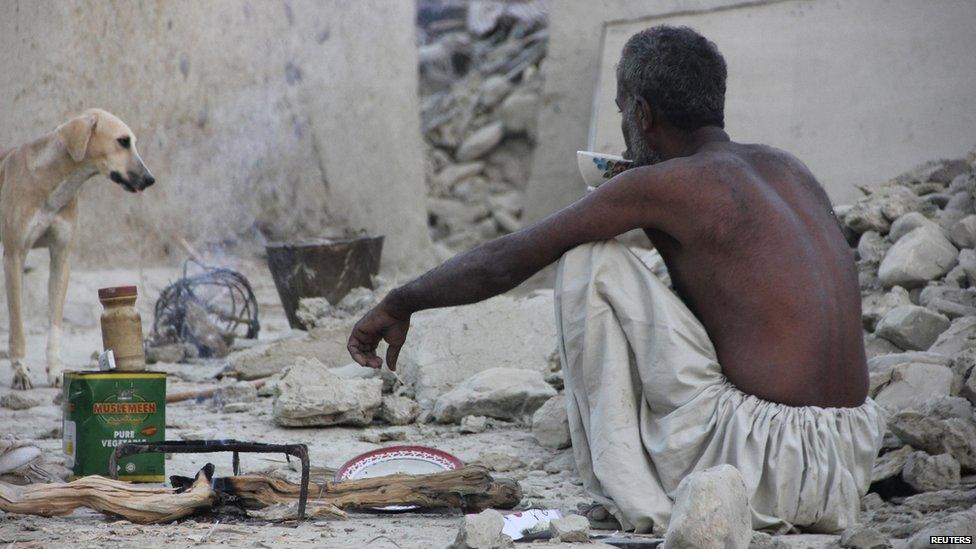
(711, 511)
(598, 515)
(22, 378)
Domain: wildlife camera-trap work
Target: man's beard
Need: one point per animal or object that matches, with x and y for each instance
(639, 152)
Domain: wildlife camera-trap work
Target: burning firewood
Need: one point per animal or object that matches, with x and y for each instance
(138, 504)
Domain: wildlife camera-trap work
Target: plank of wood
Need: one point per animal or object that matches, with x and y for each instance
(138, 504)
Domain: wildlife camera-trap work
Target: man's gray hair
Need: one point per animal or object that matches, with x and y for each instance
(680, 74)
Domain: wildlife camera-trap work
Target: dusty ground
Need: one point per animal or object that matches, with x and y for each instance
(548, 478)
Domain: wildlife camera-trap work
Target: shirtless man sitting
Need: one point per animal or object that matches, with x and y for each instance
(758, 362)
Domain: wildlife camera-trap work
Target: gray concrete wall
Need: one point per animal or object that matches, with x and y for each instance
(294, 117)
(860, 90)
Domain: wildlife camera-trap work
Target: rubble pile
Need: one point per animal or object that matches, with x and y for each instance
(480, 91)
(913, 241)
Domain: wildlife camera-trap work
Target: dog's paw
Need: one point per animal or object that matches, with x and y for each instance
(22, 378)
(54, 374)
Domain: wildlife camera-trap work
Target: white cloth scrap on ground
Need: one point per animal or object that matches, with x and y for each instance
(648, 404)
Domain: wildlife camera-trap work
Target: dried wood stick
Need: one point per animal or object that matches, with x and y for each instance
(138, 504)
(471, 488)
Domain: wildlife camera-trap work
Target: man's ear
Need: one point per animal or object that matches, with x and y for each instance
(75, 134)
(645, 117)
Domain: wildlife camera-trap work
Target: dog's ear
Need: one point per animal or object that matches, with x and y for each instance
(75, 134)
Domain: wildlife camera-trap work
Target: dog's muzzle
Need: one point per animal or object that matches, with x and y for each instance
(134, 182)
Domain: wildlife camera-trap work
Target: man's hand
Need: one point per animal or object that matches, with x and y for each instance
(378, 324)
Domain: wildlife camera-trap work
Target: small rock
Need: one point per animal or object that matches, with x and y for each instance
(550, 424)
(762, 540)
(876, 305)
(908, 223)
(962, 523)
(890, 464)
(519, 112)
(927, 473)
(959, 439)
(872, 247)
(863, 537)
(923, 254)
(482, 531)
(480, 142)
(452, 173)
(570, 529)
(502, 393)
(711, 510)
(911, 327)
(311, 310)
(500, 462)
(399, 410)
(172, 353)
(473, 424)
(236, 407)
(309, 395)
(960, 335)
(967, 262)
(963, 233)
(493, 90)
(912, 384)
(18, 401)
(235, 393)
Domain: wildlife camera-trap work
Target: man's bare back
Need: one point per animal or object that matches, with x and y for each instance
(764, 266)
(748, 235)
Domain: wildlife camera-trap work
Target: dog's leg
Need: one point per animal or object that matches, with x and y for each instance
(13, 271)
(57, 286)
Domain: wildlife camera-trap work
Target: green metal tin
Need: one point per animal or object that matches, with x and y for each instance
(104, 409)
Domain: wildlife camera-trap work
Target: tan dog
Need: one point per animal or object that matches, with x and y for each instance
(39, 185)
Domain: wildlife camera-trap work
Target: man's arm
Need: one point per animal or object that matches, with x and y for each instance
(639, 198)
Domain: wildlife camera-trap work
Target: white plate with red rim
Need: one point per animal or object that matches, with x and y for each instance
(393, 460)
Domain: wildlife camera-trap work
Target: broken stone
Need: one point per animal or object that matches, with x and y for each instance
(960, 335)
(519, 111)
(969, 387)
(18, 401)
(493, 90)
(927, 473)
(482, 531)
(172, 353)
(448, 345)
(961, 201)
(911, 327)
(908, 223)
(919, 430)
(890, 464)
(923, 254)
(762, 540)
(452, 173)
(962, 523)
(473, 424)
(570, 529)
(502, 393)
(875, 346)
(872, 247)
(311, 309)
(913, 384)
(711, 510)
(242, 392)
(550, 425)
(967, 262)
(480, 142)
(326, 343)
(309, 394)
(863, 537)
(866, 216)
(500, 462)
(399, 410)
(876, 305)
(963, 233)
